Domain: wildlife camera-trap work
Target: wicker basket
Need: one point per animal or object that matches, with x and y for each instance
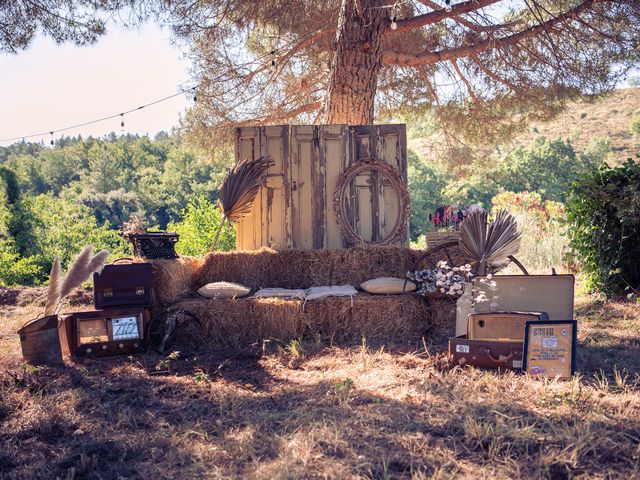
(437, 238)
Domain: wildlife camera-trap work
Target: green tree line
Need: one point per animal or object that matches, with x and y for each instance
(53, 201)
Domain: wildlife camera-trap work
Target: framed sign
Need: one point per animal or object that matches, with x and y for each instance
(550, 348)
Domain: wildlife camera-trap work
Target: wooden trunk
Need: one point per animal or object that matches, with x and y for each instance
(295, 207)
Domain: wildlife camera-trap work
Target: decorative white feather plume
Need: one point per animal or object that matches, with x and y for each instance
(53, 292)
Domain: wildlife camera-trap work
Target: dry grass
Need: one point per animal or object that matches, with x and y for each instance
(606, 117)
(307, 410)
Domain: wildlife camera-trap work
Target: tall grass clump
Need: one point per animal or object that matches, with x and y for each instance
(541, 224)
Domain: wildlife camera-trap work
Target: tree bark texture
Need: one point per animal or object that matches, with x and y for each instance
(356, 63)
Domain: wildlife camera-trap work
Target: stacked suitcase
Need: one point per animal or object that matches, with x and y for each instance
(123, 296)
(495, 339)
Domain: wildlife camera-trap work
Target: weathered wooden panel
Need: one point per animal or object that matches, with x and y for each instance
(335, 144)
(295, 207)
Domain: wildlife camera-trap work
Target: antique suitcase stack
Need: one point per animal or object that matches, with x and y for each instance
(495, 339)
(123, 293)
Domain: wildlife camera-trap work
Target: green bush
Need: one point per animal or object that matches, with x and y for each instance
(200, 222)
(604, 211)
(542, 224)
(16, 270)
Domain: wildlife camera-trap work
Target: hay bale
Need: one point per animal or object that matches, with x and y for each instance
(174, 279)
(379, 318)
(306, 268)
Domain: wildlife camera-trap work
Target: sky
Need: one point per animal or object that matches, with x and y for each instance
(49, 86)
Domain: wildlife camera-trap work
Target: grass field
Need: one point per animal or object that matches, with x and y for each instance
(317, 411)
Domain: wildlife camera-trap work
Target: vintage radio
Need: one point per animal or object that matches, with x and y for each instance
(104, 333)
(123, 285)
(486, 353)
(500, 326)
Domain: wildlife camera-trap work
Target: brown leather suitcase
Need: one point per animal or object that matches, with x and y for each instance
(123, 285)
(500, 326)
(486, 353)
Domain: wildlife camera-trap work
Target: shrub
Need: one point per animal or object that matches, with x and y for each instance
(604, 211)
(15, 270)
(200, 222)
(542, 225)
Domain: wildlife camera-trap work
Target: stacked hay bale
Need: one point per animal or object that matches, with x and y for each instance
(306, 268)
(242, 321)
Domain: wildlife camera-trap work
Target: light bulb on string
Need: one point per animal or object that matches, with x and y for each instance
(52, 142)
(394, 24)
(273, 58)
(122, 120)
(447, 5)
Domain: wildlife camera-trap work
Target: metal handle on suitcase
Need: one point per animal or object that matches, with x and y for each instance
(501, 360)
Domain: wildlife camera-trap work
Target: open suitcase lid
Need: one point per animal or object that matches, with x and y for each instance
(535, 293)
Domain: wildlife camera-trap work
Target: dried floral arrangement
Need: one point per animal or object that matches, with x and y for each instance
(84, 265)
(442, 280)
(488, 245)
(239, 188)
(134, 226)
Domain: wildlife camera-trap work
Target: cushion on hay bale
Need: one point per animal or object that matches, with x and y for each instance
(315, 293)
(224, 290)
(280, 293)
(388, 285)
(379, 318)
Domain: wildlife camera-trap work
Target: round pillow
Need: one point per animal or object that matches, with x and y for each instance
(388, 285)
(224, 290)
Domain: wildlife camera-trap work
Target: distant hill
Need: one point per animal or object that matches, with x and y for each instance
(609, 116)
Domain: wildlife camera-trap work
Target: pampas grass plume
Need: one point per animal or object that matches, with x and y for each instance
(78, 272)
(53, 292)
(97, 262)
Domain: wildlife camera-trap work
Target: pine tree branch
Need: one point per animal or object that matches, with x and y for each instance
(464, 80)
(462, 21)
(436, 16)
(391, 57)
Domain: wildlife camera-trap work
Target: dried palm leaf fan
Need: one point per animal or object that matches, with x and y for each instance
(239, 188)
(489, 244)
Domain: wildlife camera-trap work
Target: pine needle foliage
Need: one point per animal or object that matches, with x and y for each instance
(489, 243)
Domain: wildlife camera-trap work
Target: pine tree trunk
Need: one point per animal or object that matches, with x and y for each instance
(357, 61)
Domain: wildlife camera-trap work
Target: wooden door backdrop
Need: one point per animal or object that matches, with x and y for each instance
(295, 207)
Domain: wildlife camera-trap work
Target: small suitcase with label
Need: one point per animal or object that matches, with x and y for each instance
(123, 285)
(500, 326)
(486, 353)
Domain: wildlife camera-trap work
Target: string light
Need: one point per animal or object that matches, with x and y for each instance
(273, 60)
(91, 122)
(394, 24)
(447, 5)
(122, 120)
